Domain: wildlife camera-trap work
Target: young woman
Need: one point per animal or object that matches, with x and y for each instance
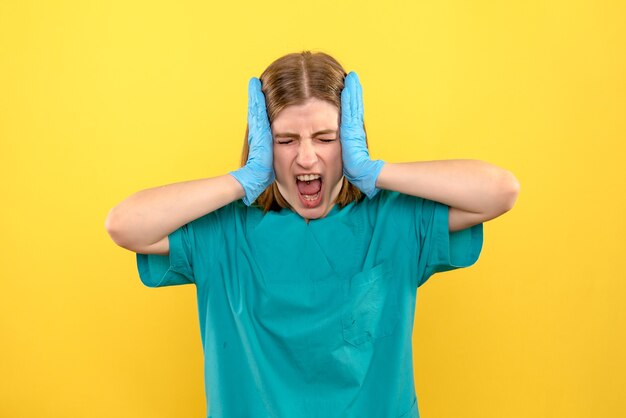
(307, 259)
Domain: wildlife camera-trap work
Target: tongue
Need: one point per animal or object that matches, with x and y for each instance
(309, 187)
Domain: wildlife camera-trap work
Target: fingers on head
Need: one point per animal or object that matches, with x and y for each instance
(256, 98)
(359, 94)
(253, 85)
(345, 99)
(351, 96)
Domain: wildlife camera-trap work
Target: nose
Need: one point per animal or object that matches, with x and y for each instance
(307, 155)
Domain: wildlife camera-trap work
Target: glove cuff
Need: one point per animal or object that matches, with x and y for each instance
(371, 189)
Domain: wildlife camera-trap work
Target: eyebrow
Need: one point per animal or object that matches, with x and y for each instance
(292, 135)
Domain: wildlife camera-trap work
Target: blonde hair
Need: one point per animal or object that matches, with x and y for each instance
(291, 80)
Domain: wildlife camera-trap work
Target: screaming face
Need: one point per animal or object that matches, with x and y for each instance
(307, 157)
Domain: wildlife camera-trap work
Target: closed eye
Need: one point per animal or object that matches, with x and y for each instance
(289, 141)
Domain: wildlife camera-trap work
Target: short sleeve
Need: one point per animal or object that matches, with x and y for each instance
(196, 249)
(442, 250)
(157, 270)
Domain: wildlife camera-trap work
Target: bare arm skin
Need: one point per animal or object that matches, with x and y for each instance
(142, 222)
(475, 191)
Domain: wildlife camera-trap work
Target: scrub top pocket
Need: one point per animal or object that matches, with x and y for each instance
(372, 309)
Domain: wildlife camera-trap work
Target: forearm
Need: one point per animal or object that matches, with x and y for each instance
(469, 185)
(149, 215)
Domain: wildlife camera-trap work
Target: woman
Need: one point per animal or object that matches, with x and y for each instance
(307, 259)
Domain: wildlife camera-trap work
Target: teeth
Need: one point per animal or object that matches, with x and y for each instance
(308, 177)
(311, 197)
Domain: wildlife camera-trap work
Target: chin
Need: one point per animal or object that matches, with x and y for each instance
(312, 209)
(313, 213)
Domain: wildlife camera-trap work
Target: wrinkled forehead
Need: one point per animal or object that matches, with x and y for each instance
(313, 114)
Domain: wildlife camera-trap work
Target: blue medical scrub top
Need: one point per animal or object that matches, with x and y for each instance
(311, 320)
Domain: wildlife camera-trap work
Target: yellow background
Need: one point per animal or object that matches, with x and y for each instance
(101, 99)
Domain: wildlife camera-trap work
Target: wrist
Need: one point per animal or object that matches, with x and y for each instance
(243, 180)
(375, 168)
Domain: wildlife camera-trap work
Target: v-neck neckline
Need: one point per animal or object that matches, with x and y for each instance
(334, 211)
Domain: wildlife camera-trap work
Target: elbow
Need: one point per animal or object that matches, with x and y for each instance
(111, 225)
(127, 239)
(508, 191)
(108, 222)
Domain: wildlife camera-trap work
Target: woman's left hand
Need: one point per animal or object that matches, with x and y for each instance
(358, 167)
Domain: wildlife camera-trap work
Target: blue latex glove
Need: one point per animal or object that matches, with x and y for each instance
(258, 173)
(358, 167)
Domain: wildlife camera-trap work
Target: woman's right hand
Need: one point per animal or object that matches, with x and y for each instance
(258, 173)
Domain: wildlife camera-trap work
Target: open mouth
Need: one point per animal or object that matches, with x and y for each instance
(309, 189)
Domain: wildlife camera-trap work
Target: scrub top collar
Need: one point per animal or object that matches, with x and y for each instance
(332, 212)
(340, 228)
(335, 211)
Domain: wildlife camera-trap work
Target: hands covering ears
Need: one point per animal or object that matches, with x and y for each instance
(358, 167)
